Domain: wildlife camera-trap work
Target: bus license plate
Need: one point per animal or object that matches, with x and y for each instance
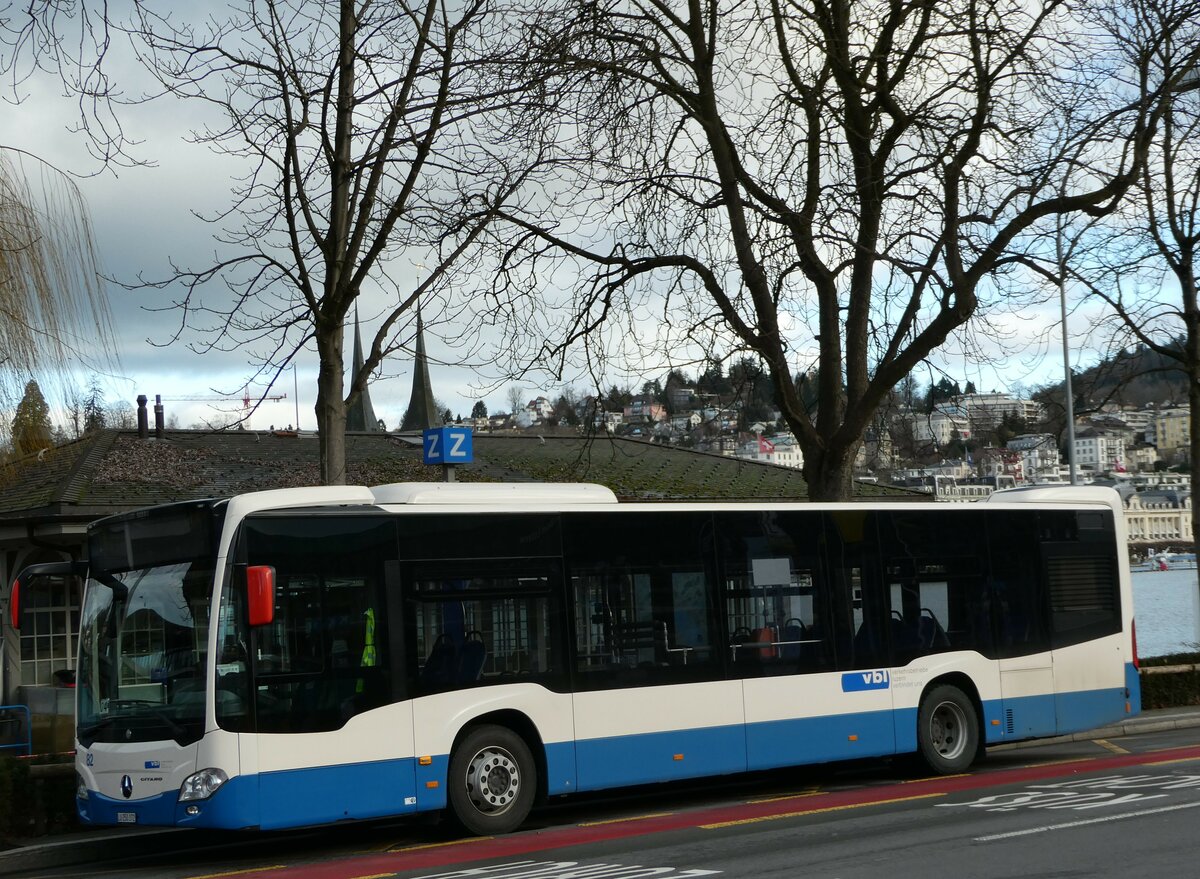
(127, 817)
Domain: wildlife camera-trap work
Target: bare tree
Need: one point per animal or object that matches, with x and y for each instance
(365, 132)
(515, 395)
(53, 305)
(72, 41)
(1142, 260)
(835, 187)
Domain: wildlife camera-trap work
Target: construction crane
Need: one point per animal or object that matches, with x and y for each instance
(247, 399)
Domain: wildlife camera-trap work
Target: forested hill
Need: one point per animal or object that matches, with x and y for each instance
(1134, 378)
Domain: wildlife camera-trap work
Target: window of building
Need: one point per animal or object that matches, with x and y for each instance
(49, 628)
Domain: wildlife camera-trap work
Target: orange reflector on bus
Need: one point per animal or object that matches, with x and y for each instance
(995, 723)
(425, 761)
(431, 784)
(853, 738)
(677, 757)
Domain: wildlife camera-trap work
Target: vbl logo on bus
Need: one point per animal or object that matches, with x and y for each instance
(865, 680)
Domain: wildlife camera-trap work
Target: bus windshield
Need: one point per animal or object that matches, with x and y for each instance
(144, 629)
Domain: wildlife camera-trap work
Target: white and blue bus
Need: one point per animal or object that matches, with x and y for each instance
(314, 655)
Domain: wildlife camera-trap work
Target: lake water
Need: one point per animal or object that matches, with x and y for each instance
(1166, 605)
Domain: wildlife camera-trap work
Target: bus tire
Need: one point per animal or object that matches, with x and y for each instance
(493, 780)
(947, 730)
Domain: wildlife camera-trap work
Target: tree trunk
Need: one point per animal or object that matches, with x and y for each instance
(331, 408)
(830, 475)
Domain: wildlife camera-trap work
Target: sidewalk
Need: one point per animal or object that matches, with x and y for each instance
(67, 849)
(1154, 720)
(88, 845)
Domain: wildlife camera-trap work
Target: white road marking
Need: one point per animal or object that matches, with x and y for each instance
(568, 870)
(1070, 824)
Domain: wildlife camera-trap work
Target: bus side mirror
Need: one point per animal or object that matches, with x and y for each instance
(260, 594)
(31, 572)
(14, 603)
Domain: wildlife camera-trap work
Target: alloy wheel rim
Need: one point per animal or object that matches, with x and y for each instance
(493, 780)
(947, 728)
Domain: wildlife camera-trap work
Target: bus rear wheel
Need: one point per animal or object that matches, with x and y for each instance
(493, 780)
(947, 730)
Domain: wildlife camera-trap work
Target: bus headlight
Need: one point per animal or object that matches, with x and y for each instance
(202, 785)
(81, 791)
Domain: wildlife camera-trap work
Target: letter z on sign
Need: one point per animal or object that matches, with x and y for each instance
(447, 445)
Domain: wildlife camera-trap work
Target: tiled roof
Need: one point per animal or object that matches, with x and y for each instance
(115, 470)
(640, 469)
(40, 480)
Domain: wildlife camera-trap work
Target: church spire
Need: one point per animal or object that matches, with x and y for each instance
(421, 414)
(360, 416)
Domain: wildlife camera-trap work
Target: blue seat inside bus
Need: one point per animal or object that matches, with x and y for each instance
(454, 662)
(930, 631)
(471, 658)
(793, 630)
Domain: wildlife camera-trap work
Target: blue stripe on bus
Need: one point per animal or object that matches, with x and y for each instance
(347, 792)
(560, 768)
(435, 773)
(1028, 716)
(234, 806)
(1090, 709)
(651, 757)
(157, 810)
(822, 739)
(1133, 684)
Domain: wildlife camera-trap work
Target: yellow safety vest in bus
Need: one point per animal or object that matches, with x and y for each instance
(369, 657)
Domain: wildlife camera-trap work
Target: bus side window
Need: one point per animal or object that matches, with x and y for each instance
(776, 593)
(1080, 572)
(482, 622)
(934, 564)
(323, 658)
(644, 611)
(1018, 603)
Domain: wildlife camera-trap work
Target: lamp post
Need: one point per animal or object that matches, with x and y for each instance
(1070, 394)
(296, 395)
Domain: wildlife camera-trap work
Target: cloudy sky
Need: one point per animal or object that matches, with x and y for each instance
(145, 219)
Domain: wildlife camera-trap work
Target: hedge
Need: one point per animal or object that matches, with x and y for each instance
(31, 807)
(1171, 689)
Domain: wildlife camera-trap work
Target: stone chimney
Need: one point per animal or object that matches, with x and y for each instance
(158, 416)
(143, 418)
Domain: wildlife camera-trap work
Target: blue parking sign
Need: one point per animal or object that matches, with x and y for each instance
(448, 445)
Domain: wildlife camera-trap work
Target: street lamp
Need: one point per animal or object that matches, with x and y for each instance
(1062, 301)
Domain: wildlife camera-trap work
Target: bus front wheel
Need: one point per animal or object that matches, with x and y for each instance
(493, 780)
(947, 730)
